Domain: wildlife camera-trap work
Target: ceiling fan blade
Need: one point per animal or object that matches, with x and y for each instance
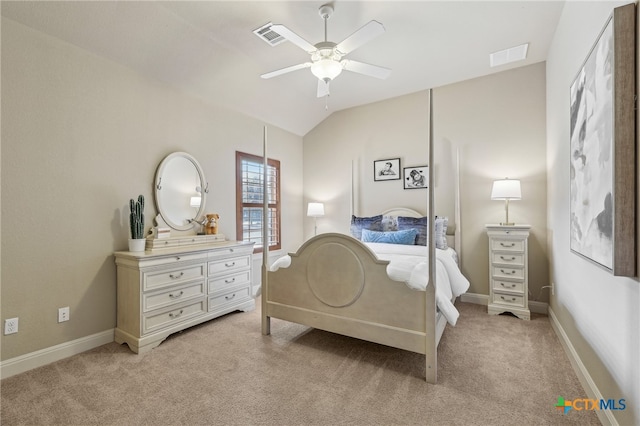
(286, 70)
(323, 88)
(366, 69)
(293, 38)
(366, 33)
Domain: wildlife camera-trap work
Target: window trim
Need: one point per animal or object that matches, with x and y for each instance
(240, 156)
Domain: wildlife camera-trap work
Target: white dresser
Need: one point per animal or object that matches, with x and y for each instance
(508, 270)
(164, 291)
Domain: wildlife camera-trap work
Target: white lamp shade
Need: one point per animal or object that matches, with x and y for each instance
(506, 189)
(315, 210)
(195, 201)
(326, 69)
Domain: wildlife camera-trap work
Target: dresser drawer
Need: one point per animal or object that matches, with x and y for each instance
(514, 272)
(508, 258)
(508, 299)
(233, 280)
(499, 244)
(230, 297)
(157, 320)
(157, 300)
(512, 286)
(164, 277)
(168, 261)
(231, 264)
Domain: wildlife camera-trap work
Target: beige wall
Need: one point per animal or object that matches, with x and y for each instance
(352, 140)
(80, 136)
(599, 312)
(497, 123)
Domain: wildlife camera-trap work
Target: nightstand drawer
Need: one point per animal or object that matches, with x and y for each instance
(508, 272)
(499, 244)
(508, 259)
(508, 299)
(511, 286)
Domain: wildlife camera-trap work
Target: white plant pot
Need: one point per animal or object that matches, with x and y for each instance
(137, 244)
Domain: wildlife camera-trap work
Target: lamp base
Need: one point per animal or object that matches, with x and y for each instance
(507, 224)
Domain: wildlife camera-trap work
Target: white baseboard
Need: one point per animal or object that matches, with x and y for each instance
(605, 416)
(483, 299)
(478, 299)
(45, 356)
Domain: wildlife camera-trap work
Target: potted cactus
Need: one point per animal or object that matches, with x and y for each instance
(136, 223)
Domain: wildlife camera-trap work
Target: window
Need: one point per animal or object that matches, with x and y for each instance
(249, 200)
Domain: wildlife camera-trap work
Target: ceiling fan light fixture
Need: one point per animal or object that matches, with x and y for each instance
(326, 69)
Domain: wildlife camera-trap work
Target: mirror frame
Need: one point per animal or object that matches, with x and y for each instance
(158, 188)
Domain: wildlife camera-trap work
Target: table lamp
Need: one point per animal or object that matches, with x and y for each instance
(506, 189)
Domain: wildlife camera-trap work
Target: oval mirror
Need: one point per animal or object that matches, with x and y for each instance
(180, 190)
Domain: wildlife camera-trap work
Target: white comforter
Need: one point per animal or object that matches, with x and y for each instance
(409, 264)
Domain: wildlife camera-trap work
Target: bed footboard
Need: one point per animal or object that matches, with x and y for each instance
(335, 283)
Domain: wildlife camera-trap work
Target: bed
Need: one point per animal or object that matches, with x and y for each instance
(368, 290)
(346, 285)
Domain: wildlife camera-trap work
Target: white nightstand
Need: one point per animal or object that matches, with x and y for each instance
(508, 270)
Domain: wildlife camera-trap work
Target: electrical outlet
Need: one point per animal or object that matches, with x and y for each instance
(63, 314)
(10, 326)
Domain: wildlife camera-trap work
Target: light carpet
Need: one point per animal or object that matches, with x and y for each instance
(492, 370)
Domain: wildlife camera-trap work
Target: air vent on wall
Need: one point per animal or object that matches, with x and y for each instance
(268, 35)
(506, 56)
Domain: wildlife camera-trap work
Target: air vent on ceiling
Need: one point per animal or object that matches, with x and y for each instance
(268, 35)
(506, 56)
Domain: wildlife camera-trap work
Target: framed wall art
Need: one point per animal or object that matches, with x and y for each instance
(416, 177)
(386, 169)
(602, 140)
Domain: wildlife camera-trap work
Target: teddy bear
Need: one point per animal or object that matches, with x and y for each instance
(211, 224)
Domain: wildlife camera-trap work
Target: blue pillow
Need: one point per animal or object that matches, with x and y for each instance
(373, 223)
(420, 224)
(417, 223)
(406, 237)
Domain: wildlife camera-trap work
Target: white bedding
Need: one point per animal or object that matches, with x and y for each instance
(409, 264)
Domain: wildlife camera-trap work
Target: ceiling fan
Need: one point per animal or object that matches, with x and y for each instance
(327, 58)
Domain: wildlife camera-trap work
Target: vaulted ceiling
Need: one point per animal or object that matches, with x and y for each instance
(208, 49)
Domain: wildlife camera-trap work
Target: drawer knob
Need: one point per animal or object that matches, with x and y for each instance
(229, 265)
(512, 285)
(504, 258)
(230, 297)
(176, 276)
(232, 280)
(508, 272)
(174, 315)
(513, 299)
(507, 245)
(175, 296)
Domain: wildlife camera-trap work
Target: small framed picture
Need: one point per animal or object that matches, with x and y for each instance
(416, 177)
(386, 169)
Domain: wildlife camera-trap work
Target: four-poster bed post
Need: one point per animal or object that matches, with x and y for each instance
(266, 321)
(431, 351)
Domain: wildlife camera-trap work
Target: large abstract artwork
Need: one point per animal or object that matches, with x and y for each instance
(602, 132)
